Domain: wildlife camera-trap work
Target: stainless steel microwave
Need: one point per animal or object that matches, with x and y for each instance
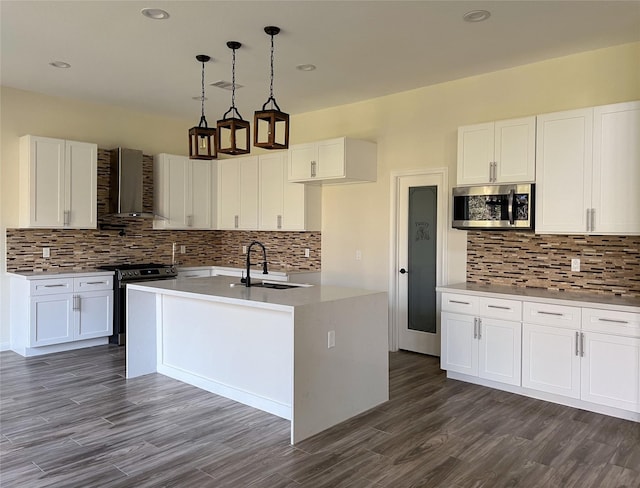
(494, 207)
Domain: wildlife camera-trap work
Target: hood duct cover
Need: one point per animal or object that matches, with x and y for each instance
(125, 190)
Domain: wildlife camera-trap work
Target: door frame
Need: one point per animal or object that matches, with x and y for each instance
(441, 259)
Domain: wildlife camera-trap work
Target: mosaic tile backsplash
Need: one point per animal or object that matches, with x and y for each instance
(77, 250)
(609, 264)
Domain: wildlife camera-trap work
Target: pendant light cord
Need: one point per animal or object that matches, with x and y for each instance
(271, 84)
(233, 81)
(202, 117)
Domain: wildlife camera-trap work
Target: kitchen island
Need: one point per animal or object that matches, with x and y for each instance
(314, 355)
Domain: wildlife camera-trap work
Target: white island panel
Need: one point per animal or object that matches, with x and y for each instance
(242, 353)
(333, 384)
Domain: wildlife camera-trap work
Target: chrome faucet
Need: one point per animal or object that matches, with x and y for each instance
(247, 281)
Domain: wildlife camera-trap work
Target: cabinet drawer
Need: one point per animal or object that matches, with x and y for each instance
(51, 286)
(611, 322)
(452, 302)
(498, 308)
(546, 314)
(93, 283)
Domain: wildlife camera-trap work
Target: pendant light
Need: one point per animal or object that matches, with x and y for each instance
(233, 130)
(271, 126)
(202, 139)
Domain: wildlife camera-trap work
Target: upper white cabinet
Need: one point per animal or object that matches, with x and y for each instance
(588, 171)
(184, 192)
(497, 152)
(238, 193)
(59, 183)
(284, 205)
(340, 160)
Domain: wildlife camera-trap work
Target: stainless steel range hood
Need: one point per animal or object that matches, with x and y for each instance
(125, 190)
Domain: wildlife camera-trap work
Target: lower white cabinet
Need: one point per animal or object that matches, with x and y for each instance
(54, 311)
(549, 359)
(580, 356)
(481, 346)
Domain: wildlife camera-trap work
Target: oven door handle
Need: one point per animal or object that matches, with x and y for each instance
(512, 193)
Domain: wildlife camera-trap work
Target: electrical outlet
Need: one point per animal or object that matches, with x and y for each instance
(358, 255)
(183, 249)
(46, 252)
(307, 253)
(331, 339)
(575, 265)
(244, 249)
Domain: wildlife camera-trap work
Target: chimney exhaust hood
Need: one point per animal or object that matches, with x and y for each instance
(125, 190)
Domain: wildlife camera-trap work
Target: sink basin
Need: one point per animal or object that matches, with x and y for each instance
(279, 285)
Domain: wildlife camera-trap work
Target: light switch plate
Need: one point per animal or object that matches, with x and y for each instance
(46, 252)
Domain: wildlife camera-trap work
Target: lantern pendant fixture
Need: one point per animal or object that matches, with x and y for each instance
(232, 131)
(202, 139)
(271, 126)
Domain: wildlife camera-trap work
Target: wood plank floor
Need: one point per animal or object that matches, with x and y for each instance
(72, 420)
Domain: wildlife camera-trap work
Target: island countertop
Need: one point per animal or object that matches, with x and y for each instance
(229, 290)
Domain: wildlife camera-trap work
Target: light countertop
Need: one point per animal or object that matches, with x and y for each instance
(610, 302)
(43, 275)
(219, 289)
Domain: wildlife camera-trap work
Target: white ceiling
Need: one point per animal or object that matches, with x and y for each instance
(362, 49)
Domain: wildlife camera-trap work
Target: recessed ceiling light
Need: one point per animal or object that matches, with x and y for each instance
(155, 13)
(60, 64)
(306, 67)
(225, 85)
(476, 15)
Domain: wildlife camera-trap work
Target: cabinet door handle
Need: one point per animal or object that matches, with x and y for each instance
(76, 302)
(588, 220)
(67, 217)
(279, 221)
(593, 220)
(498, 307)
(475, 327)
(555, 314)
(55, 286)
(313, 169)
(614, 321)
(577, 343)
(189, 220)
(454, 301)
(581, 345)
(235, 221)
(479, 329)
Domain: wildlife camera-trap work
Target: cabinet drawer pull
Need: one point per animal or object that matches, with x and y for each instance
(498, 307)
(613, 321)
(459, 302)
(555, 314)
(55, 286)
(96, 282)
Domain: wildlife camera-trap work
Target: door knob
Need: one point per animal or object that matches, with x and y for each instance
(403, 271)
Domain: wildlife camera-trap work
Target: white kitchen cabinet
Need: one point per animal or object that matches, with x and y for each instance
(183, 192)
(67, 313)
(238, 193)
(588, 171)
(340, 160)
(611, 370)
(497, 152)
(549, 359)
(284, 205)
(590, 354)
(482, 346)
(59, 183)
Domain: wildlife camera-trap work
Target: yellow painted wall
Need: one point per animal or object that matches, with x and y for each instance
(414, 130)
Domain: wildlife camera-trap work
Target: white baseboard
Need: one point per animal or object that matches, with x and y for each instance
(5, 346)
